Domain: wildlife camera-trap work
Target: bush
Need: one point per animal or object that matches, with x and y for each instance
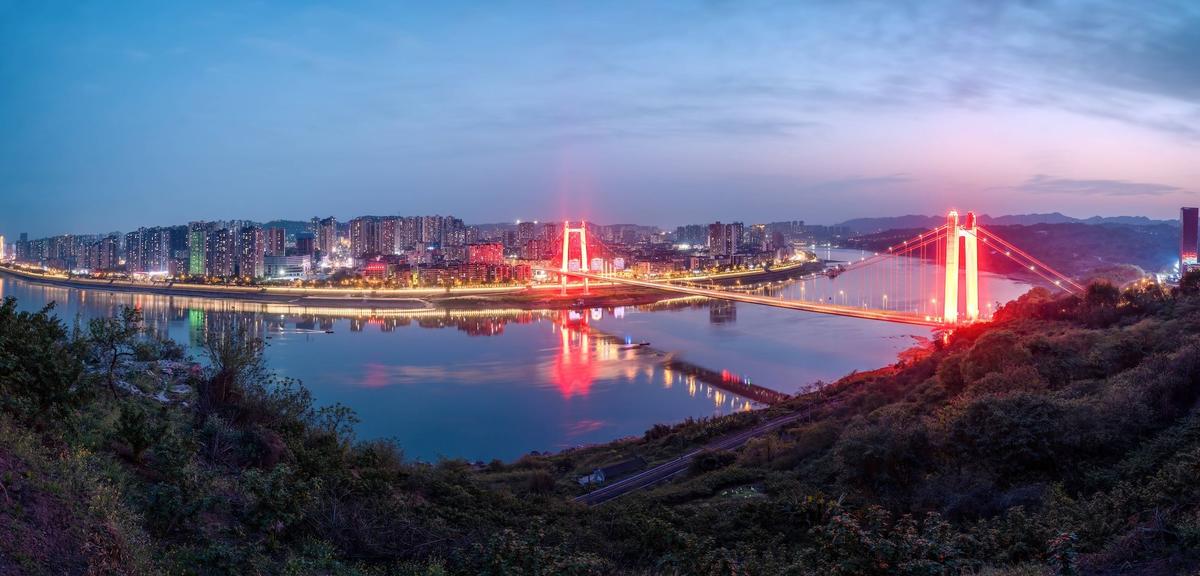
(1021, 435)
(889, 453)
(40, 370)
(138, 429)
(275, 501)
(710, 460)
(540, 482)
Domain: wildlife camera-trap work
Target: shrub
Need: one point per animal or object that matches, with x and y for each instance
(40, 369)
(137, 428)
(710, 460)
(113, 339)
(889, 453)
(276, 500)
(540, 482)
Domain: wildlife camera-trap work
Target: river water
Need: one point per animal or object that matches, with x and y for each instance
(488, 384)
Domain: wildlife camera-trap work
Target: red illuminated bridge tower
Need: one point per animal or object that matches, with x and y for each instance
(955, 248)
(964, 234)
(581, 233)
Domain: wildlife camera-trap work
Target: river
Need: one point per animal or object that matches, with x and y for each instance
(485, 384)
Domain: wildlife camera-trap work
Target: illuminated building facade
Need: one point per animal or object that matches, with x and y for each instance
(221, 257)
(1189, 225)
(725, 240)
(197, 249)
(491, 253)
(525, 232)
(429, 230)
(251, 250)
(103, 255)
(275, 240)
(325, 231)
(366, 236)
(286, 267)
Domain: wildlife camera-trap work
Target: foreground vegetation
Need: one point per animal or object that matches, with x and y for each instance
(1062, 438)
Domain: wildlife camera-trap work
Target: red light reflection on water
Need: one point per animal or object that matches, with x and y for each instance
(574, 370)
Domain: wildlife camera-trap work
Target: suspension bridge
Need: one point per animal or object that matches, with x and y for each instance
(931, 279)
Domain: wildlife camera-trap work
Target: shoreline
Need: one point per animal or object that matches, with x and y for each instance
(469, 298)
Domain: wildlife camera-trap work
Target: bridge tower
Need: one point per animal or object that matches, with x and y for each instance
(581, 233)
(961, 233)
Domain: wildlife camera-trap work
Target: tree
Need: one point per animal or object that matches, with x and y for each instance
(1102, 295)
(1190, 282)
(39, 366)
(234, 358)
(138, 429)
(114, 338)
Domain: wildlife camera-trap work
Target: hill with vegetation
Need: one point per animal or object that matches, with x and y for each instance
(1062, 438)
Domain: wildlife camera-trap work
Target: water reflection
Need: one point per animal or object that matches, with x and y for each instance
(471, 383)
(574, 370)
(492, 383)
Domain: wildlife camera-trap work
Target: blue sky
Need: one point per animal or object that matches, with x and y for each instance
(121, 114)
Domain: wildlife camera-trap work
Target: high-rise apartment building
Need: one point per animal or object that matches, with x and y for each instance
(148, 250)
(389, 229)
(364, 236)
(103, 255)
(525, 232)
(716, 239)
(177, 241)
(325, 231)
(221, 255)
(725, 240)
(1189, 224)
(407, 233)
(454, 232)
(306, 244)
(275, 240)
(430, 229)
(491, 253)
(133, 252)
(692, 235)
(251, 250)
(197, 245)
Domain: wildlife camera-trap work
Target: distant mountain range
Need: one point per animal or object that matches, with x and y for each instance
(872, 225)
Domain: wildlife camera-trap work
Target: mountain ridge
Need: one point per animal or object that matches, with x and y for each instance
(879, 224)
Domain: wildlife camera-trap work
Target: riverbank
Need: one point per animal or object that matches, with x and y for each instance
(457, 298)
(980, 437)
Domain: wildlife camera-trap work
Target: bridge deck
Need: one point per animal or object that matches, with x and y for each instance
(820, 308)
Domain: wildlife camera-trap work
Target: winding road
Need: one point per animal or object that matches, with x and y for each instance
(670, 469)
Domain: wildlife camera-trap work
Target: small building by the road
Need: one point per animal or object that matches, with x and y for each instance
(606, 473)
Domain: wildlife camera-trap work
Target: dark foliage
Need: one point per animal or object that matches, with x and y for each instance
(1062, 438)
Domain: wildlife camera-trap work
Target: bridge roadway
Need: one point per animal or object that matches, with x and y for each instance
(818, 307)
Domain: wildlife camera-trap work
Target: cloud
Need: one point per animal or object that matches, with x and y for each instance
(1043, 184)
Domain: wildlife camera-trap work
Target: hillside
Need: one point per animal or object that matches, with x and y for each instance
(1063, 438)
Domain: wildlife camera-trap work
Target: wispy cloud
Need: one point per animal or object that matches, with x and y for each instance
(1043, 184)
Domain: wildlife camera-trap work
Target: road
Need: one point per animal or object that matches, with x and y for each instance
(667, 470)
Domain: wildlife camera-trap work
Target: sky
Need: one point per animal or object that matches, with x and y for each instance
(118, 114)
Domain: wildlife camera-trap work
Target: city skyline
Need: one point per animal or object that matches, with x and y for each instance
(664, 227)
(651, 114)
